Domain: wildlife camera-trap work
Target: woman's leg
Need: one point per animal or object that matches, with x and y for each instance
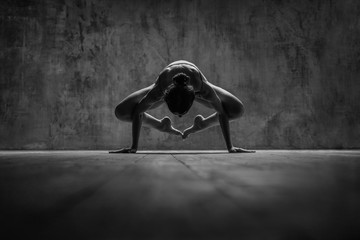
(124, 111)
(232, 105)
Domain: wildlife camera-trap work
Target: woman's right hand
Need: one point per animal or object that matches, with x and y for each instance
(124, 150)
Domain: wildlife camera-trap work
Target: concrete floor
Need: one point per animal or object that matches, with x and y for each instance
(180, 195)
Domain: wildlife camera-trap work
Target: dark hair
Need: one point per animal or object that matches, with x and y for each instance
(179, 96)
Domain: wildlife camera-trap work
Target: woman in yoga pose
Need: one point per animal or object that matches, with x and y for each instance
(179, 84)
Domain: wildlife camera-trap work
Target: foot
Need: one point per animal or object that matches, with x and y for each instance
(240, 150)
(166, 126)
(199, 124)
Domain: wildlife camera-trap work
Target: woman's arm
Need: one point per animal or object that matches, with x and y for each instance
(153, 96)
(212, 98)
(209, 95)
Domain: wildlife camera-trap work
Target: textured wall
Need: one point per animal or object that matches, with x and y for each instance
(65, 65)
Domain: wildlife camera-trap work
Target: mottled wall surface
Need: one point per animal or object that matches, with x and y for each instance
(65, 65)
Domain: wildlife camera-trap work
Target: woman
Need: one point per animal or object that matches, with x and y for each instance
(179, 84)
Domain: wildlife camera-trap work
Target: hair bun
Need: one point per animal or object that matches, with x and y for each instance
(181, 79)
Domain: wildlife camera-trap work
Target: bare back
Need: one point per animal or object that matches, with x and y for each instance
(182, 66)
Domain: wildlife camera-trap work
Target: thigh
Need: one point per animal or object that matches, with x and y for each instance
(157, 104)
(232, 105)
(124, 109)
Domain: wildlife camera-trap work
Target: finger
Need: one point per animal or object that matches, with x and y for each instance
(116, 151)
(244, 150)
(248, 151)
(123, 150)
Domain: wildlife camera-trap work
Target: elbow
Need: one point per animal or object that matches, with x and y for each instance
(136, 114)
(137, 117)
(223, 115)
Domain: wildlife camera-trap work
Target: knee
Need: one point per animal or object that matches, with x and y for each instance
(237, 110)
(122, 114)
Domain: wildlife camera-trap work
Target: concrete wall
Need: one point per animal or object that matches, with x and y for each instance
(65, 65)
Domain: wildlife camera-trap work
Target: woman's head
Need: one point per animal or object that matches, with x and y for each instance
(179, 96)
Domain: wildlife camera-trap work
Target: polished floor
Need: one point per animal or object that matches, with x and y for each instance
(180, 195)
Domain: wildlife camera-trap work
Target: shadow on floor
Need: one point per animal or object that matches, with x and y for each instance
(183, 152)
